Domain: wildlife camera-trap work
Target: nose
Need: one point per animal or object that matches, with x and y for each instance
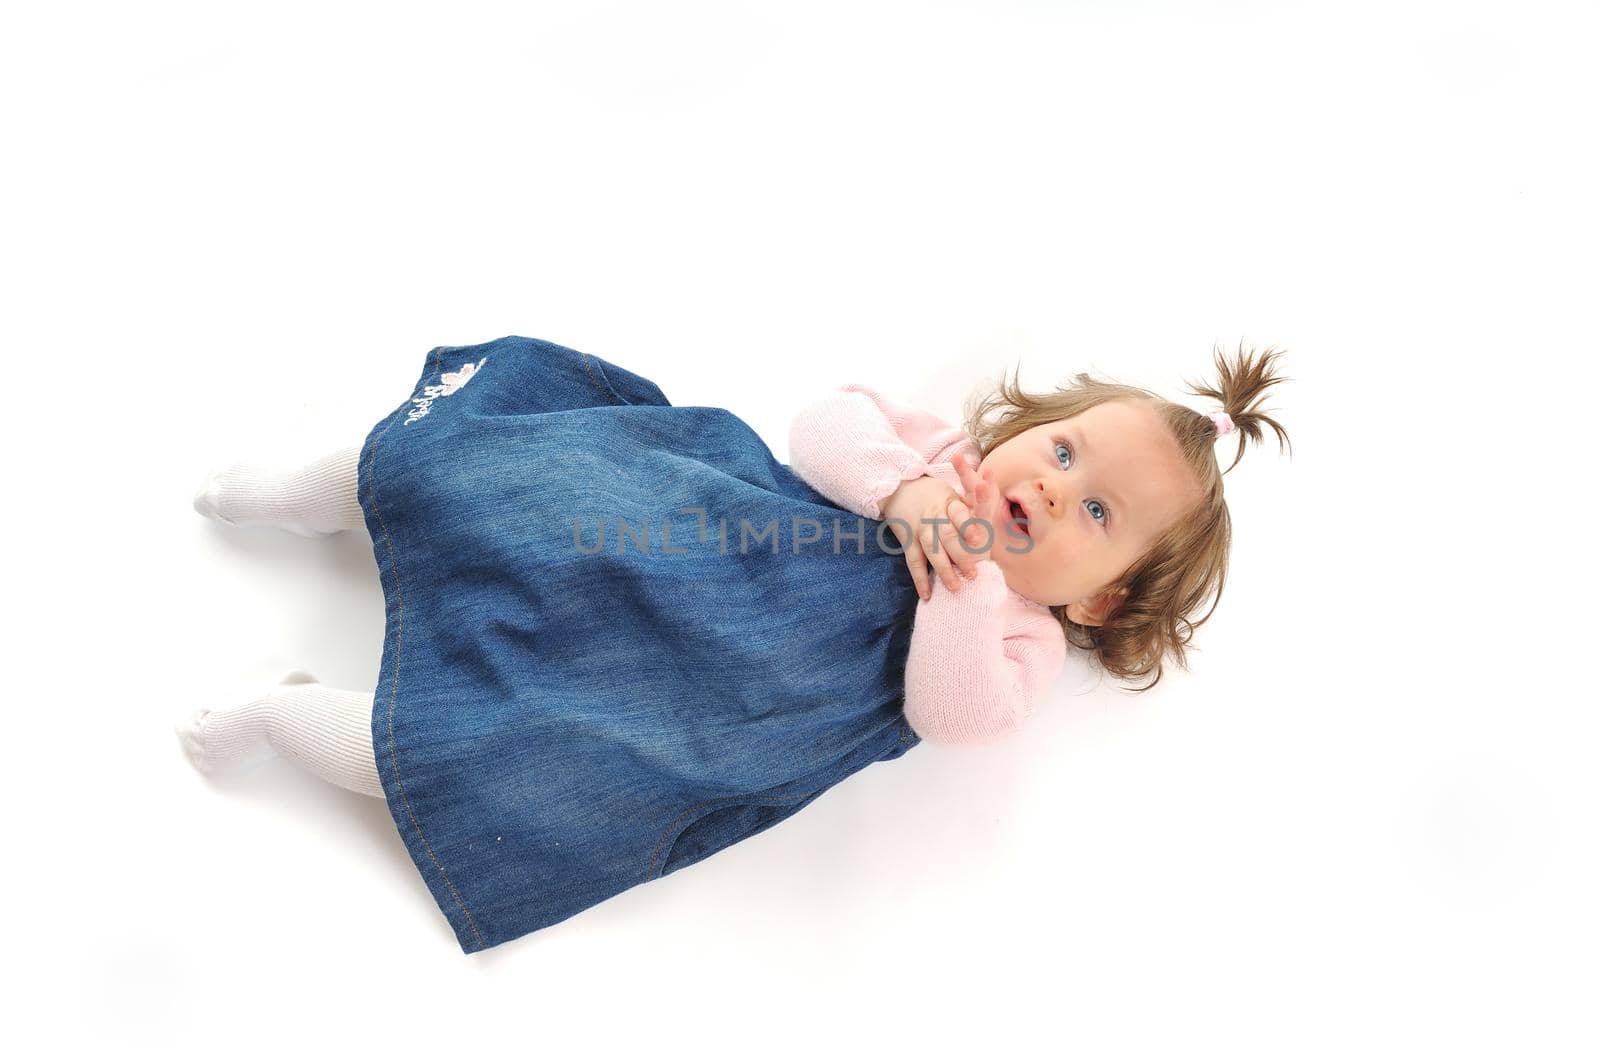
(1048, 496)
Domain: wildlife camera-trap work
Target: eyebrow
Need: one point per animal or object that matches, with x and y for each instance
(1086, 449)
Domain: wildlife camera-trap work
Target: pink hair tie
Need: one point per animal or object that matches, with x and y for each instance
(1223, 422)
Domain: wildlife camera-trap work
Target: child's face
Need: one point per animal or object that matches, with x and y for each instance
(1099, 488)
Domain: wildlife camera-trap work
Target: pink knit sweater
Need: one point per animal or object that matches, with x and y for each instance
(981, 657)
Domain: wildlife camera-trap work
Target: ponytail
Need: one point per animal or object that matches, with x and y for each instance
(1241, 385)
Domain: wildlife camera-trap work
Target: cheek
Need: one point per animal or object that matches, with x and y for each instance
(1064, 552)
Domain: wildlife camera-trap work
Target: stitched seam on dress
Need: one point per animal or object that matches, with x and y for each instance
(610, 396)
(394, 758)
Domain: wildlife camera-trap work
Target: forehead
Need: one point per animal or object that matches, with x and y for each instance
(1127, 424)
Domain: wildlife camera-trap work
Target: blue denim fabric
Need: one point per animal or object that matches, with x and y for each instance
(554, 726)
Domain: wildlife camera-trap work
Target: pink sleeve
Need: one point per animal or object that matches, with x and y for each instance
(981, 658)
(855, 447)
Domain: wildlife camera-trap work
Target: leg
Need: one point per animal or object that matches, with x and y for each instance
(326, 730)
(315, 499)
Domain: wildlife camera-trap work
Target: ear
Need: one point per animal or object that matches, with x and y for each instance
(1092, 611)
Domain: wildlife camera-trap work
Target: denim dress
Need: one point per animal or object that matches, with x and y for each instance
(620, 636)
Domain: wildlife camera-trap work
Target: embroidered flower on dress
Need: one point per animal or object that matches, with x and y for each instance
(449, 384)
(453, 381)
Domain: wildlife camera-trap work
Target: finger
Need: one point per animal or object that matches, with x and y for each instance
(989, 497)
(956, 509)
(950, 541)
(963, 469)
(948, 572)
(959, 514)
(941, 560)
(919, 569)
(984, 533)
(983, 472)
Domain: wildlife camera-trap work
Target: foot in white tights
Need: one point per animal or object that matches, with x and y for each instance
(314, 499)
(326, 730)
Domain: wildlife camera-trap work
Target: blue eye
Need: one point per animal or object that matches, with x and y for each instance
(1096, 510)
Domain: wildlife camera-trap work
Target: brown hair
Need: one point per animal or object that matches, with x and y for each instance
(1167, 586)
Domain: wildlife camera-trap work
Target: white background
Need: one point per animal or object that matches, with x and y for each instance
(1363, 825)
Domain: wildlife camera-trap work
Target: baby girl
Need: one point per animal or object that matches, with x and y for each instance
(555, 723)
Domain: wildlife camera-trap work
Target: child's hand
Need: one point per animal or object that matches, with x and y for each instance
(982, 501)
(917, 512)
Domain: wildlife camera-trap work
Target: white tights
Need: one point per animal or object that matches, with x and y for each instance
(326, 730)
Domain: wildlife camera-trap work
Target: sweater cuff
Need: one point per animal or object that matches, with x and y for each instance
(879, 490)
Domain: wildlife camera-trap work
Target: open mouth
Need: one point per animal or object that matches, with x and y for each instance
(1019, 518)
